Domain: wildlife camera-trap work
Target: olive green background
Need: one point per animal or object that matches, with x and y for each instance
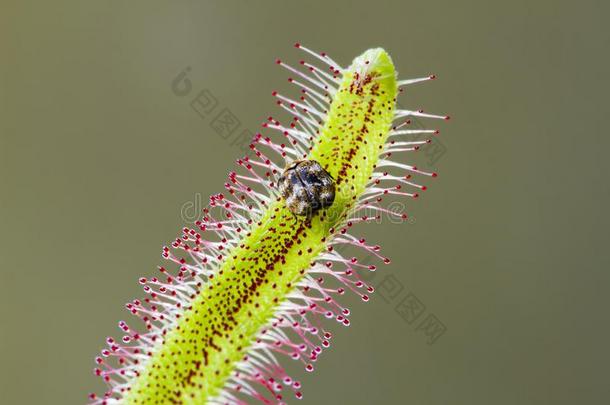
(508, 248)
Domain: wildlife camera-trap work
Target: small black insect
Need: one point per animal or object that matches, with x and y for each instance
(306, 187)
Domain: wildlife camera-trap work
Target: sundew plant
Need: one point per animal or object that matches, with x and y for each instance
(251, 283)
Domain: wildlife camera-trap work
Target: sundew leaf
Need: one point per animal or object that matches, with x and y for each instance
(251, 281)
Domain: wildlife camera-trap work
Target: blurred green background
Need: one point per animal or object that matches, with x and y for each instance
(102, 163)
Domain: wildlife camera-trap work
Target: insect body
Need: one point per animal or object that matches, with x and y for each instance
(306, 187)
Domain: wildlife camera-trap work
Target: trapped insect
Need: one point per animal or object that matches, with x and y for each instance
(306, 187)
